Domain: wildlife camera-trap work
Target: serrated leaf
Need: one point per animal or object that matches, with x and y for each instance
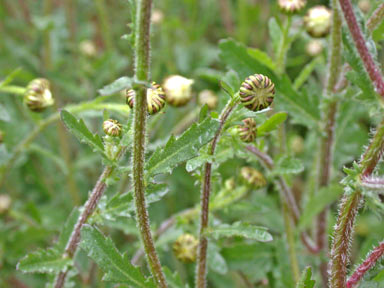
(262, 57)
(318, 202)
(181, 149)
(44, 261)
(117, 268)
(241, 230)
(116, 86)
(305, 280)
(81, 132)
(288, 165)
(272, 123)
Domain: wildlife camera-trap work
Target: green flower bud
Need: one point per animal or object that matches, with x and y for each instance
(112, 127)
(5, 203)
(291, 6)
(247, 130)
(257, 92)
(317, 21)
(178, 90)
(230, 184)
(38, 96)
(185, 248)
(155, 98)
(253, 177)
(297, 144)
(208, 97)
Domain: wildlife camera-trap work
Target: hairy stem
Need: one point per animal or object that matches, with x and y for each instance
(376, 18)
(142, 73)
(357, 35)
(201, 269)
(367, 264)
(88, 209)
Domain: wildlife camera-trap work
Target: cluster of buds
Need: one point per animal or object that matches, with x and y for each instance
(155, 98)
(38, 95)
(291, 6)
(253, 177)
(209, 98)
(112, 128)
(178, 90)
(185, 248)
(317, 21)
(247, 131)
(257, 92)
(5, 203)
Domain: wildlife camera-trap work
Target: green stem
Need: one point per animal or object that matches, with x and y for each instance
(284, 46)
(142, 66)
(13, 90)
(201, 268)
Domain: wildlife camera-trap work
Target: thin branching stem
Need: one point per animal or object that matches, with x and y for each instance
(367, 264)
(366, 57)
(376, 18)
(142, 73)
(201, 269)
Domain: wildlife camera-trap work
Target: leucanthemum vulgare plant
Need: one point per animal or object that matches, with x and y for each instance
(240, 170)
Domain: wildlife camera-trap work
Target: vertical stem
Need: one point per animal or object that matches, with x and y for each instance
(284, 45)
(201, 269)
(357, 35)
(376, 18)
(102, 12)
(367, 264)
(142, 73)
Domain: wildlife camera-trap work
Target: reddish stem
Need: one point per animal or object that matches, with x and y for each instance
(368, 263)
(357, 35)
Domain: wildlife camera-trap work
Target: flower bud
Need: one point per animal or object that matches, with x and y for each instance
(38, 96)
(112, 127)
(314, 48)
(230, 184)
(88, 48)
(317, 21)
(5, 203)
(291, 6)
(364, 5)
(185, 248)
(155, 98)
(247, 130)
(178, 90)
(208, 97)
(257, 92)
(253, 177)
(157, 16)
(297, 144)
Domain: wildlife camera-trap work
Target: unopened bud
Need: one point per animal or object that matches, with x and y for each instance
(317, 21)
(5, 203)
(247, 130)
(178, 90)
(291, 6)
(253, 177)
(38, 95)
(185, 248)
(155, 98)
(314, 47)
(208, 97)
(112, 127)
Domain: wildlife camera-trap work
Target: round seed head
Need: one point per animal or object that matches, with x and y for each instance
(247, 130)
(253, 177)
(112, 127)
(178, 90)
(317, 21)
(5, 203)
(208, 97)
(155, 98)
(185, 248)
(257, 92)
(291, 6)
(38, 95)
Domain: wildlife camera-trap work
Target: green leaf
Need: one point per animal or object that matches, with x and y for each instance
(240, 229)
(4, 116)
(44, 261)
(324, 197)
(307, 71)
(288, 165)
(275, 34)
(305, 280)
(216, 261)
(173, 279)
(116, 86)
(10, 77)
(181, 149)
(117, 268)
(272, 123)
(81, 132)
(262, 57)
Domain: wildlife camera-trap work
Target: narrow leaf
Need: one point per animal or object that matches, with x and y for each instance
(272, 123)
(116, 86)
(240, 229)
(81, 132)
(117, 268)
(181, 149)
(305, 280)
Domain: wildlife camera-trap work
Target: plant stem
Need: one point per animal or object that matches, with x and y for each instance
(357, 35)
(367, 264)
(201, 269)
(283, 47)
(88, 209)
(13, 90)
(342, 238)
(376, 18)
(142, 66)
